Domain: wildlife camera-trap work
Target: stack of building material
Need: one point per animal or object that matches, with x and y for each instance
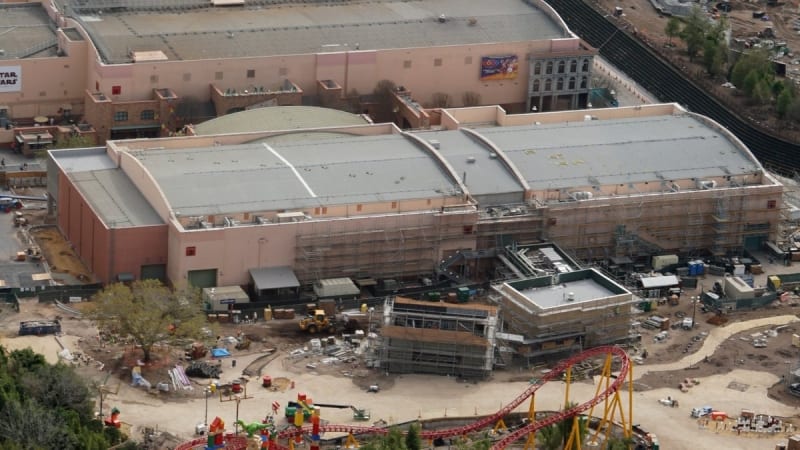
(283, 313)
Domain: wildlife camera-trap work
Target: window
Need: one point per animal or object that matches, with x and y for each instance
(407, 64)
(191, 251)
(283, 71)
(437, 62)
(561, 66)
(116, 90)
(585, 67)
(549, 69)
(571, 83)
(535, 85)
(251, 73)
(584, 82)
(537, 68)
(121, 116)
(771, 204)
(359, 208)
(467, 60)
(218, 75)
(394, 205)
(573, 66)
(467, 229)
(548, 85)
(154, 79)
(147, 114)
(42, 93)
(324, 210)
(560, 84)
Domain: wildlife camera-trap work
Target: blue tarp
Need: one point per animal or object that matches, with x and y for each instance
(220, 352)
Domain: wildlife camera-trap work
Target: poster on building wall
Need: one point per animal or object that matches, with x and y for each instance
(499, 67)
(10, 78)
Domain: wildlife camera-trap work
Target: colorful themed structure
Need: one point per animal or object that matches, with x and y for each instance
(113, 421)
(607, 397)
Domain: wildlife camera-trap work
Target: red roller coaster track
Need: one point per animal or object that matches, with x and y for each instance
(490, 420)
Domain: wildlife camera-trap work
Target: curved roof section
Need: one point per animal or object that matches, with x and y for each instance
(604, 152)
(278, 118)
(288, 29)
(294, 175)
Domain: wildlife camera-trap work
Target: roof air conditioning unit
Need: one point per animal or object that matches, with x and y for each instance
(471, 160)
(435, 143)
(706, 184)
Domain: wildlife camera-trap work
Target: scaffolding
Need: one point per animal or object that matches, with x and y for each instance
(399, 246)
(719, 219)
(439, 338)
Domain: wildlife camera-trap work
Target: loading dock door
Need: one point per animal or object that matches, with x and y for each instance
(155, 272)
(203, 278)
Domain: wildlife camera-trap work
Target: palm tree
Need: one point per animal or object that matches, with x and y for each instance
(550, 437)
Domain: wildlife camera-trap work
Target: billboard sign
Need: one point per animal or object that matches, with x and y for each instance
(499, 67)
(10, 78)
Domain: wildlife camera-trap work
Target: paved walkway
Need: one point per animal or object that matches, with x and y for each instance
(716, 337)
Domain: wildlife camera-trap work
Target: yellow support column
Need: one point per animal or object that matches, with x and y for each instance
(530, 443)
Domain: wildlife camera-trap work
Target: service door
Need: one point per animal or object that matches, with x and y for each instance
(155, 272)
(203, 278)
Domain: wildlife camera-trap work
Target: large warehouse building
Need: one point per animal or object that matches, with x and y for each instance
(372, 201)
(141, 69)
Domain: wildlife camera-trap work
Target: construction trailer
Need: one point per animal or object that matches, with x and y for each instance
(223, 298)
(39, 327)
(546, 317)
(438, 338)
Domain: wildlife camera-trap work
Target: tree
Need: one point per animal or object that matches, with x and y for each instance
(47, 406)
(694, 32)
(752, 61)
(673, 28)
(550, 437)
(383, 93)
(149, 313)
(619, 443)
(413, 441)
(471, 98)
(784, 102)
(440, 100)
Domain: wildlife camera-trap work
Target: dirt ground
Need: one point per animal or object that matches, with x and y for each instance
(57, 251)
(641, 16)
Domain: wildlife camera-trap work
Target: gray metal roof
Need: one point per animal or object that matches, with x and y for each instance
(274, 278)
(108, 190)
(565, 155)
(115, 198)
(278, 118)
(25, 30)
(316, 28)
(294, 175)
(484, 174)
(582, 291)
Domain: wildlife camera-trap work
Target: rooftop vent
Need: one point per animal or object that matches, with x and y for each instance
(706, 184)
(442, 18)
(471, 160)
(492, 155)
(571, 297)
(435, 143)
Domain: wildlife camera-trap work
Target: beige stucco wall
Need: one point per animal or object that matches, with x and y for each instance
(48, 83)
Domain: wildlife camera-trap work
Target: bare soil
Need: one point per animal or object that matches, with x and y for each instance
(641, 18)
(58, 253)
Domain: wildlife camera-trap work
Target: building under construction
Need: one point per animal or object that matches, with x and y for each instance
(438, 338)
(550, 315)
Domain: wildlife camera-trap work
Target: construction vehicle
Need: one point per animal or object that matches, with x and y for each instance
(196, 351)
(242, 342)
(317, 321)
(19, 219)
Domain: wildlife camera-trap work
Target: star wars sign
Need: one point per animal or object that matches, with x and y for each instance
(10, 78)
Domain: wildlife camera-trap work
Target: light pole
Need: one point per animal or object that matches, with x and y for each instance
(205, 419)
(236, 424)
(694, 308)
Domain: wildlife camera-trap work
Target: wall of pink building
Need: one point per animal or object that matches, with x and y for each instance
(48, 83)
(106, 252)
(417, 69)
